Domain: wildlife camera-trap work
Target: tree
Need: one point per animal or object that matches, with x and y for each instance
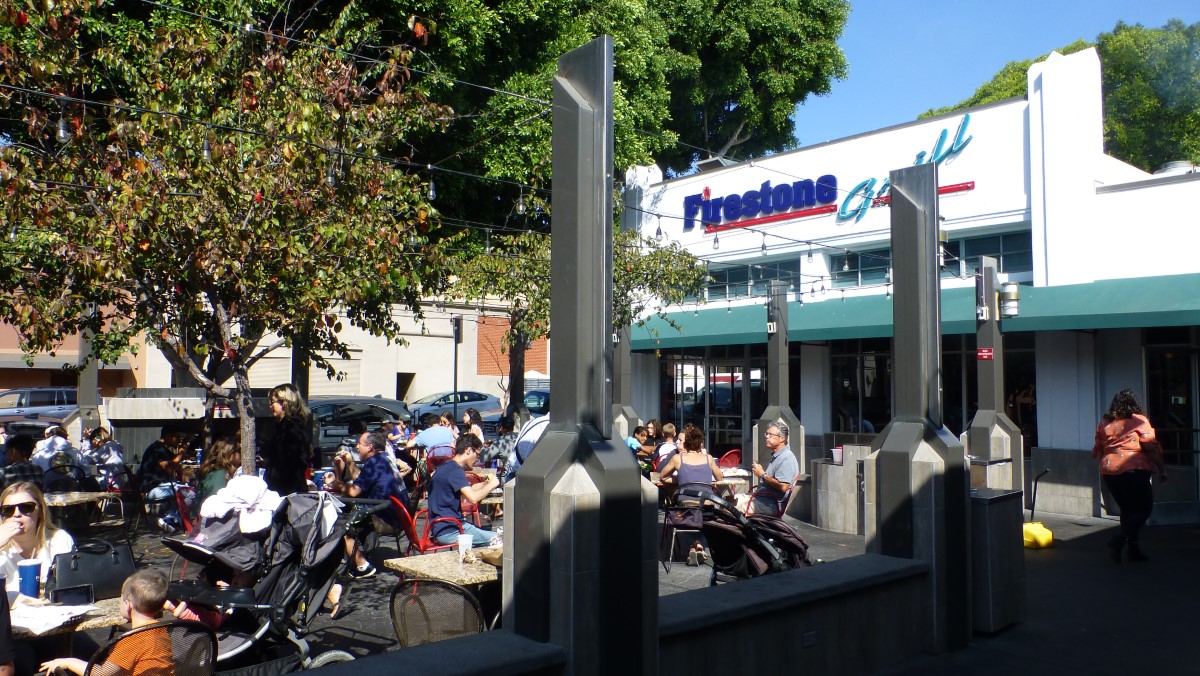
(207, 184)
(1152, 93)
(1151, 85)
(1011, 82)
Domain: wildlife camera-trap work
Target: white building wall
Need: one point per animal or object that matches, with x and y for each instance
(1120, 363)
(1066, 144)
(815, 408)
(1066, 389)
(1141, 231)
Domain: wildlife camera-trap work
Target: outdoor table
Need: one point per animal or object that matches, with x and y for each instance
(75, 498)
(107, 614)
(726, 488)
(61, 502)
(444, 565)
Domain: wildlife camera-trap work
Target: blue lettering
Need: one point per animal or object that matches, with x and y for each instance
(804, 194)
(764, 196)
(733, 207)
(863, 192)
(781, 197)
(750, 202)
(712, 211)
(940, 152)
(691, 207)
(827, 189)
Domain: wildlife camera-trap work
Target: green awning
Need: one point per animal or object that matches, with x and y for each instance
(1107, 304)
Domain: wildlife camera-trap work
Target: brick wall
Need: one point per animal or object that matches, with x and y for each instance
(492, 361)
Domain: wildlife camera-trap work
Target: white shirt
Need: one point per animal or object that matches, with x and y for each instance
(59, 543)
(46, 449)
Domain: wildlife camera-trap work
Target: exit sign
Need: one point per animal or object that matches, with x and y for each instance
(983, 354)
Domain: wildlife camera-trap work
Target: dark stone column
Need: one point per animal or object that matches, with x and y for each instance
(778, 383)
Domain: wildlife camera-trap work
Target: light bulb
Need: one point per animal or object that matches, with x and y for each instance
(889, 292)
(728, 307)
(764, 245)
(810, 254)
(432, 188)
(331, 179)
(658, 234)
(64, 133)
(206, 149)
(521, 202)
(716, 241)
(846, 265)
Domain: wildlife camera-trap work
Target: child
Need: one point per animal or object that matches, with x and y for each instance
(146, 653)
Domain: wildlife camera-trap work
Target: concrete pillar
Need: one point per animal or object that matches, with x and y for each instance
(916, 491)
(580, 569)
(778, 384)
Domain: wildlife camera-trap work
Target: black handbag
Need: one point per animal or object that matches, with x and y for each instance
(98, 563)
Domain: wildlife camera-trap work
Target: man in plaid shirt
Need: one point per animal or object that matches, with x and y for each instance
(20, 449)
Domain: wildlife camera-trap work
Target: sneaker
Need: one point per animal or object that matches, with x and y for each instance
(360, 573)
(167, 526)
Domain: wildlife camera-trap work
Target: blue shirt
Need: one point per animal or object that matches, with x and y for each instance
(633, 444)
(435, 436)
(444, 499)
(378, 483)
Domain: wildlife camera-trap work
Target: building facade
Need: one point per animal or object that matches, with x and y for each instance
(1110, 290)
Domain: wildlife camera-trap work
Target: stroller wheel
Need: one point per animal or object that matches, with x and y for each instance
(329, 657)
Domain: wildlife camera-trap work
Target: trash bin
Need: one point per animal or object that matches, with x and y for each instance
(997, 559)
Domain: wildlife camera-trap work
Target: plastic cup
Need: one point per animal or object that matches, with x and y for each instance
(837, 454)
(30, 575)
(465, 541)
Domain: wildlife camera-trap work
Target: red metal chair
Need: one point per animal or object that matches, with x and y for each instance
(731, 460)
(183, 496)
(423, 544)
(470, 509)
(780, 507)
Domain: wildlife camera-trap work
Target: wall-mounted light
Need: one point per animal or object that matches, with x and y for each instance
(1010, 299)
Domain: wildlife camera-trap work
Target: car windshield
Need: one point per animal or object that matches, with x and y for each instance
(430, 398)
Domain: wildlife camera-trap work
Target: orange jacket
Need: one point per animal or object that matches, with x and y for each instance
(1120, 445)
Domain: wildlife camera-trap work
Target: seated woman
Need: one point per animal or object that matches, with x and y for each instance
(692, 465)
(108, 456)
(222, 461)
(26, 534)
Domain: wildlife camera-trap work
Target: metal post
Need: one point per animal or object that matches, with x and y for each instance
(778, 383)
(583, 555)
(624, 416)
(916, 479)
(88, 396)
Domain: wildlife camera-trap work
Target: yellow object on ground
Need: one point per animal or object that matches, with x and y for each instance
(1037, 536)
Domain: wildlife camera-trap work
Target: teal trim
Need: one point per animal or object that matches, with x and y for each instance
(1107, 304)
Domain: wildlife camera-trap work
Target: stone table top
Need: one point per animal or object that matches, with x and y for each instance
(107, 614)
(445, 566)
(75, 498)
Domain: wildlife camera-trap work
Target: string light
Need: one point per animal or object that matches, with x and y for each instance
(822, 285)
(889, 292)
(521, 202)
(764, 245)
(810, 253)
(728, 306)
(63, 134)
(843, 295)
(331, 178)
(716, 241)
(206, 148)
(846, 262)
(658, 234)
(432, 188)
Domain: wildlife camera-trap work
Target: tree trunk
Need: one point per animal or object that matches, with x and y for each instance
(245, 411)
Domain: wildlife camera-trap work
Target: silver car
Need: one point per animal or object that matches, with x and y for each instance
(455, 403)
(54, 402)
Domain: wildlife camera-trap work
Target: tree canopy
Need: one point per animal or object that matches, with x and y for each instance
(1151, 84)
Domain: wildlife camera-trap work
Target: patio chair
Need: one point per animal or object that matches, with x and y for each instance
(780, 505)
(193, 650)
(425, 611)
(470, 510)
(423, 544)
(731, 460)
(681, 515)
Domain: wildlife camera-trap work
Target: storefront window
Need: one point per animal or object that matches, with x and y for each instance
(864, 268)
(1013, 253)
(861, 390)
(1172, 379)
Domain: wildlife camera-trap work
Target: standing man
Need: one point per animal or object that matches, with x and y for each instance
(375, 482)
(450, 485)
(778, 477)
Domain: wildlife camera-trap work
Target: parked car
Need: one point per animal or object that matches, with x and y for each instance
(445, 401)
(58, 402)
(332, 416)
(538, 401)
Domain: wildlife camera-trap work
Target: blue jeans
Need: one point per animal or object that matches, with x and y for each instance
(481, 537)
(167, 490)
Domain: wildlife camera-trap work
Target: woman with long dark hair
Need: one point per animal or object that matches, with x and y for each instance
(288, 451)
(1129, 453)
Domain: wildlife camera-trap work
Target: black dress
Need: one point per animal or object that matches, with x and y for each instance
(287, 455)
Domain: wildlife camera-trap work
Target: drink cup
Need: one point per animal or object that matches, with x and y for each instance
(464, 546)
(30, 575)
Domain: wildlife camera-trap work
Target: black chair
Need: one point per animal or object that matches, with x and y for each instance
(179, 647)
(64, 479)
(425, 611)
(681, 514)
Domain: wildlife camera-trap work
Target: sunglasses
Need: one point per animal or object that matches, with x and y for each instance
(27, 508)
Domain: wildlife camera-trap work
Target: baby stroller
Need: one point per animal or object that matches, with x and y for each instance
(744, 546)
(294, 562)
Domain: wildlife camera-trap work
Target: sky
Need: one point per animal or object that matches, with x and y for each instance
(907, 57)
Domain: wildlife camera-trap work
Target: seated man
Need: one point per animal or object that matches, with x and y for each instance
(19, 468)
(375, 481)
(142, 599)
(158, 474)
(450, 486)
(778, 476)
(437, 439)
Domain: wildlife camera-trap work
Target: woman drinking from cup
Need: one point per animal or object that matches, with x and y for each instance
(24, 531)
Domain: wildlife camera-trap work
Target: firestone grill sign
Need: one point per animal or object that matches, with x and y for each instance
(812, 197)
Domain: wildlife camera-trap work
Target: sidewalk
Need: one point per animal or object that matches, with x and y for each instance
(1086, 615)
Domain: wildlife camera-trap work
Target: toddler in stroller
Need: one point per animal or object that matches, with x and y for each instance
(744, 546)
(293, 563)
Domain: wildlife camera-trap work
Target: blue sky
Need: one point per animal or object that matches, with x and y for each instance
(907, 57)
